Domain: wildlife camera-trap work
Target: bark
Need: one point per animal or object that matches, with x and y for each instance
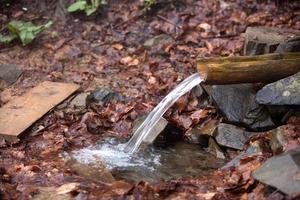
(248, 69)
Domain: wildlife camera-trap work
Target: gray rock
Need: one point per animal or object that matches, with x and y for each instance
(283, 92)
(238, 104)
(158, 128)
(263, 40)
(214, 148)
(201, 134)
(79, 101)
(292, 45)
(104, 96)
(255, 147)
(232, 136)
(281, 172)
(278, 139)
(10, 73)
(96, 171)
(158, 41)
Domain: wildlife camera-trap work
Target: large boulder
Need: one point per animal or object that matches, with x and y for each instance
(283, 92)
(282, 172)
(238, 105)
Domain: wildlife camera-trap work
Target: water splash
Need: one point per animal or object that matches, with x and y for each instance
(111, 151)
(145, 130)
(150, 163)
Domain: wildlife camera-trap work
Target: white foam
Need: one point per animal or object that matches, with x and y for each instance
(114, 156)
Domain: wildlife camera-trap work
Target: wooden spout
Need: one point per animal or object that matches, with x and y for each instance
(248, 69)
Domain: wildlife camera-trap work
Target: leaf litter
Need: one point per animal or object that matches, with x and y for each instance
(107, 50)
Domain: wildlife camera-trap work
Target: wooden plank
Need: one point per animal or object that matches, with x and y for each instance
(20, 113)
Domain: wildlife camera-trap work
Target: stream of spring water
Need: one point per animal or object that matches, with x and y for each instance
(146, 127)
(136, 161)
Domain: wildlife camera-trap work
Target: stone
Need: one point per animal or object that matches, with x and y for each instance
(104, 96)
(47, 193)
(214, 148)
(201, 134)
(232, 136)
(158, 41)
(283, 92)
(199, 92)
(158, 128)
(281, 172)
(263, 40)
(96, 171)
(10, 73)
(238, 105)
(291, 45)
(278, 139)
(79, 101)
(254, 148)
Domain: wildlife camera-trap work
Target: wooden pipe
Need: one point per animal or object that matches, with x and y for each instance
(248, 69)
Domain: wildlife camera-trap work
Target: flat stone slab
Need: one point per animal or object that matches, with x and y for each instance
(232, 136)
(20, 113)
(281, 172)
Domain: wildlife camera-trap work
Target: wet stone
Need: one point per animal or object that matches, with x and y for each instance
(104, 96)
(237, 103)
(10, 73)
(45, 193)
(278, 139)
(200, 134)
(283, 92)
(214, 148)
(232, 136)
(281, 172)
(254, 148)
(95, 172)
(158, 128)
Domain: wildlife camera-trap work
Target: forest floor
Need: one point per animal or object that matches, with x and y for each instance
(108, 50)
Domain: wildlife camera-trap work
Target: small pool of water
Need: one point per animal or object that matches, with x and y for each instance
(151, 163)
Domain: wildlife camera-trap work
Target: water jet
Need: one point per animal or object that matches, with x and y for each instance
(219, 71)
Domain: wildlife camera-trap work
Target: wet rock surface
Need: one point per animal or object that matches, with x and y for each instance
(104, 96)
(214, 148)
(232, 136)
(200, 134)
(10, 73)
(283, 92)
(97, 172)
(238, 104)
(282, 172)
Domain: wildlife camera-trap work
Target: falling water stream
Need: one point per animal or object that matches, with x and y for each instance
(132, 162)
(146, 127)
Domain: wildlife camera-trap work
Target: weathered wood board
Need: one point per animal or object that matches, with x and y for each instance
(20, 113)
